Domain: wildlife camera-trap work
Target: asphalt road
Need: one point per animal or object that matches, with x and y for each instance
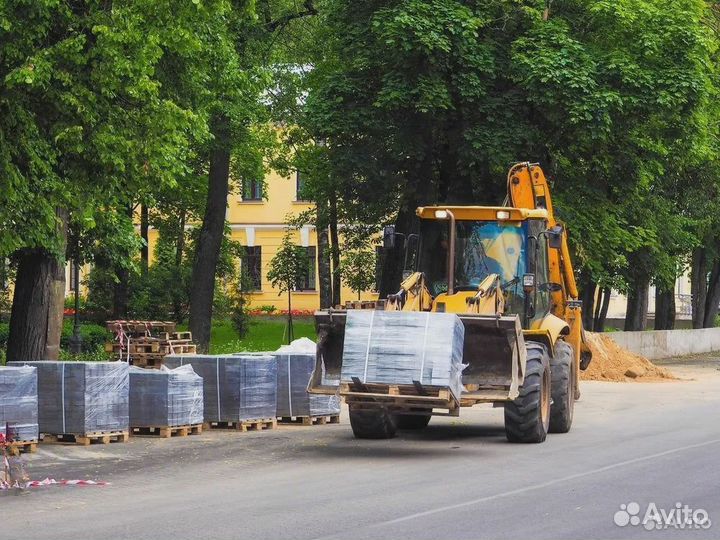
(458, 479)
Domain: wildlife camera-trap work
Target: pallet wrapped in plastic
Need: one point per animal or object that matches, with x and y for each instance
(19, 403)
(395, 347)
(165, 397)
(236, 388)
(81, 397)
(296, 362)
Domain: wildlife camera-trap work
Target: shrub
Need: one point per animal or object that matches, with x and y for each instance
(4, 333)
(94, 339)
(93, 336)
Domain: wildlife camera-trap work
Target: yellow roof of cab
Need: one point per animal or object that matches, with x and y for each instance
(483, 213)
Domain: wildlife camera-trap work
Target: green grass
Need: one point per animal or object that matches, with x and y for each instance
(266, 334)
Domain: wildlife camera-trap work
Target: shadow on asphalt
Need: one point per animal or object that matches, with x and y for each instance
(428, 442)
(450, 432)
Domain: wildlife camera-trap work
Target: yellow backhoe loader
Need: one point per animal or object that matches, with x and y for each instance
(506, 272)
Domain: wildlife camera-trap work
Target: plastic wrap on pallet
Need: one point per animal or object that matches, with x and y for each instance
(235, 387)
(395, 347)
(81, 397)
(19, 403)
(165, 397)
(295, 366)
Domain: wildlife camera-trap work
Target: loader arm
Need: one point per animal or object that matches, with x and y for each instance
(412, 296)
(528, 188)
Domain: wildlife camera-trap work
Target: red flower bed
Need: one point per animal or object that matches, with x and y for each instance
(283, 313)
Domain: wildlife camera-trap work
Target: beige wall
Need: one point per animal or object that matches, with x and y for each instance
(261, 223)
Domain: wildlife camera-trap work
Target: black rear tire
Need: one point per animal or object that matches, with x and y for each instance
(412, 421)
(527, 418)
(562, 371)
(372, 424)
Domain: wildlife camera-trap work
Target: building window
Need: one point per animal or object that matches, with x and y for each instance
(300, 187)
(252, 190)
(307, 283)
(251, 267)
(379, 262)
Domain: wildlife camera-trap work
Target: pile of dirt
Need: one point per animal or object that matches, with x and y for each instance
(610, 362)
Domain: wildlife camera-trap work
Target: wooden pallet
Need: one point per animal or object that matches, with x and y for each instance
(84, 439)
(154, 360)
(359, 304)
(135, 348)
(184, 347)
(165, 432)
(14, 448)
(245, 425)
(140, 327)
(310, 420)
(176, 336)
(400, 397)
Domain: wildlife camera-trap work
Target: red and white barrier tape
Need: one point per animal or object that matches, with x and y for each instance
(52, 482)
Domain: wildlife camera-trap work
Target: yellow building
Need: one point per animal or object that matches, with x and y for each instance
(257, 222)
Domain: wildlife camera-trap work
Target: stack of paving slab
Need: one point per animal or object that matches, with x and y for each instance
(296, 363)
(400, 348)
(19, 403)
(165, 397)
(236, 387)
(81, 397)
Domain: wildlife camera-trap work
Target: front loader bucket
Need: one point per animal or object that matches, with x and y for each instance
(494, 351)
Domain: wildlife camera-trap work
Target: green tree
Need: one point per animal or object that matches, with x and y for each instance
(422, 102)
(83, 123)
(286, 269)
(357, 268)
(241, 84)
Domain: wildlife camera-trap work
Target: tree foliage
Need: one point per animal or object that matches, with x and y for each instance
(422, 102)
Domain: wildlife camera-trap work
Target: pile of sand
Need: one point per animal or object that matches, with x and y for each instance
(611, 362)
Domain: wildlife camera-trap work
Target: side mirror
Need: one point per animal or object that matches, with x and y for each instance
(555, 237)
(550, 287)
(389, 236)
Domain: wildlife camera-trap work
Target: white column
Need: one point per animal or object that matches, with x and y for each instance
(250, 236)
(305, 236)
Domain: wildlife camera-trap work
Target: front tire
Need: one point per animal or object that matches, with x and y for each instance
(527, 418)
(562, 375)
(372, 424)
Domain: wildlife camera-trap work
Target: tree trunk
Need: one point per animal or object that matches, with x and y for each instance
(335, 253)
(121, 294)
(712, 298)
(121, 289)
(665, 308)
(57, 292)
(291, 333)
(698, 286)
(177, 292)
(180, 246)
(394, 258)
(587, 295)
(211, 235)
(599, 322)
(420, 189)
(637, 305)
(36, 315)
(324, 278)
(33, 297)
(145, 249)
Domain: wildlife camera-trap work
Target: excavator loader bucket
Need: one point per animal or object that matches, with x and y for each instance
(494, 351)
